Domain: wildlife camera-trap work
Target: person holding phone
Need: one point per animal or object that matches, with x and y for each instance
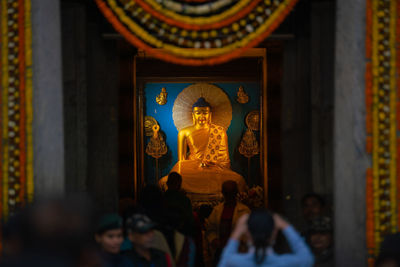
(261, 228)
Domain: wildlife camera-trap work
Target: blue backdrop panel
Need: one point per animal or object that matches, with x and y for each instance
(163, 115)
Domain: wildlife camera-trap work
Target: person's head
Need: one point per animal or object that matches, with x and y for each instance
(312, 206)
(230, 190)
(109, 233)
(174, 181)
(320, 234)
(15, 232)
(389, 254)
(140, 231)
(63, 224)
(261, 228)
(201, 111)
(205, 211)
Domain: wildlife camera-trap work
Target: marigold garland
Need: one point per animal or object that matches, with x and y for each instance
(202, 39)
(202, 23)
(382, 122)
(16, 150)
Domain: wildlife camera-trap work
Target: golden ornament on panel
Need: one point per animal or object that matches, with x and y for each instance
(242, 96)
(249, 145)
(149, 122)
(253, 120)
(156, 146)
(161, 98)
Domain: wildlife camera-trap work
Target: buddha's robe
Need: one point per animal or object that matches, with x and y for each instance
(210, 147)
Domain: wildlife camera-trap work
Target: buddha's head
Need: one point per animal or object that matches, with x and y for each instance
(201, 112)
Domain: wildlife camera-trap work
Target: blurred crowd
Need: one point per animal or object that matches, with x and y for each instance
(163, 229)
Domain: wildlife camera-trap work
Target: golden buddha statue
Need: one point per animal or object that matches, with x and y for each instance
(206, 165)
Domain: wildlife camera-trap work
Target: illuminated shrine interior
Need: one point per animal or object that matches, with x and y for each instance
(99, 70)
(193, 112)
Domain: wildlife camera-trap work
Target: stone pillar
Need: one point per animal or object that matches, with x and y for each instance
(295, 125)
(102, 91)
(48, 130)
(321, 92)
(74, 58)
(350, 156)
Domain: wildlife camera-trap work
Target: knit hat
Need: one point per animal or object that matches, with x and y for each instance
(108, 222)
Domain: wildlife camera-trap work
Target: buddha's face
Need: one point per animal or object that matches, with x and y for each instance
(201, 116)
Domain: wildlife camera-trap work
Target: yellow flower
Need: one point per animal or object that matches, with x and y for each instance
(204, 35)
(235, 26)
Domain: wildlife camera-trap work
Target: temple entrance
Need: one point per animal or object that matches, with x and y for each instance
(99, 111)
(74, 103)
(152, 75)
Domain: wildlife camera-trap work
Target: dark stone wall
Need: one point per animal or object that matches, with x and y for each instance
(74, 40)
(307, 106)
(296, 121)
(322, 96)
(90, 79)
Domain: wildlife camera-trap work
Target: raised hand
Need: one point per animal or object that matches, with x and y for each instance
(280, 223)
(241, 227)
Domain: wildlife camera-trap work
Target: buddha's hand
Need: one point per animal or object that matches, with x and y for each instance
(206, 164)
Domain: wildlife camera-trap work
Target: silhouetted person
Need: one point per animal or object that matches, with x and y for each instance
(200, 217)
(223, 218)
(54, 232)
(320, 239)
(141, 233)
(15, 233)
(175, 199)
(389, 254)
(181, 246)
(312, 206)
(151, 201)
(261, 229)
(109, 236)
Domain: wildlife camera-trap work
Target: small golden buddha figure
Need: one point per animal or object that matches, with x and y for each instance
(161, 99)
(206, 165)
(242, 96)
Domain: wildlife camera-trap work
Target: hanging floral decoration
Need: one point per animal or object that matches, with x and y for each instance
(382, 122)
(16, 172)
(195, 32)
(16, 153)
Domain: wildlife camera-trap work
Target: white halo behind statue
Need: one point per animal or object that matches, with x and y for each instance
(221, 107)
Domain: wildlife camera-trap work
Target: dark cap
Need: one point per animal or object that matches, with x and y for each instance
(140, 223)
(109, 222)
